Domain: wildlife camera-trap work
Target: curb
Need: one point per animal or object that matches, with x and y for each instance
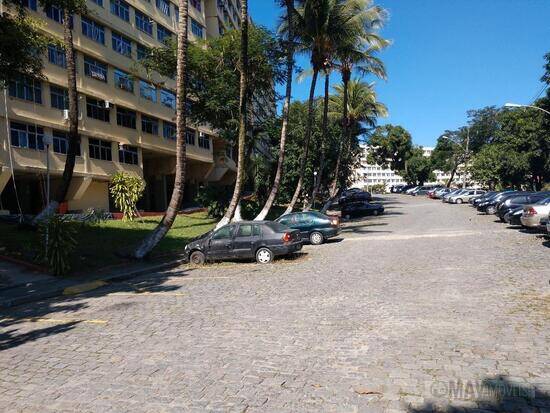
(69, 288)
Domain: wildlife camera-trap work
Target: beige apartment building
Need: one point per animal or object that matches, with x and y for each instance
(126, 120)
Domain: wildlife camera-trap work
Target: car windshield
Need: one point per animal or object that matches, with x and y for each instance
(544, 201)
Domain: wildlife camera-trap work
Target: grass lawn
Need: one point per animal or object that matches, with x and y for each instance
(99, 244)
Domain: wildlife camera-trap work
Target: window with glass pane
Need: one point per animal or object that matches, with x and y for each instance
(125, 117)
(144, 23)
(26, 88)
(163, 33)
(196, 4)
(121, 9)
(100, 149)
(128, 154)
(98, 2)
(54, 13)
(124, 81)
(95, 69)
(59, 97)
(169, 130)
(142, 51)
(61, 143)
(121, 44)
(204, 141)
(147, 91)
(190, 136)
(56, 55)
(96, 109)
(164, 6)
(168, 98)
(149, 125)
(177, 13)
(31, 4)
(93, 30)
(23, 135)
(197, 28)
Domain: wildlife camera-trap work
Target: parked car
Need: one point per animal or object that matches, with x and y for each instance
(474, 201)
(465, 196)
(513, 217)
(313, 226)
(532, 214)
(360, 209)
(445, 198)
(490, 204)
(412, 189)
(356, 196)
(262, 240)
(438, 193)
(405, 188)
(518, 200)
(422, 190)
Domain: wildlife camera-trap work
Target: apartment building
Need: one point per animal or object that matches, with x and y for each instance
(126, 119)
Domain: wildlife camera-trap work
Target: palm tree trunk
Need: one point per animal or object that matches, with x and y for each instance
(74, 137)
(171, 213)
(450, 181)
(324, 134)
(242, 117)
(303, 160)
(286, 110)
(345, 127)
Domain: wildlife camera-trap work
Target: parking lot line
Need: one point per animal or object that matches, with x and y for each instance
(414, 236)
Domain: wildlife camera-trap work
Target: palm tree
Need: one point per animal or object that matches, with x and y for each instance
(69, 8)
(321, 27)
(243, 116)
(286, 108)
(181, 157)
(362, 109)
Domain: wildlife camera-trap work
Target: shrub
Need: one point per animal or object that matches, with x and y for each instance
(58, 242)
(215, 199)
(126, 190)
(378, 188)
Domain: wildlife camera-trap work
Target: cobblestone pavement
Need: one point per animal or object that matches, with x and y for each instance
(430, 307)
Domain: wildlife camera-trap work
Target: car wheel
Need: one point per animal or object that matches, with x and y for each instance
(264, 256)
(375, 212)
(316, 238)
(197, 258)
(459, 201)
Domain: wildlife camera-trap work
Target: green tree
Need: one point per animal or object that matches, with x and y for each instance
(419, 168)
(450, 152)
(391, 147)
(485, 167)
(126, 190)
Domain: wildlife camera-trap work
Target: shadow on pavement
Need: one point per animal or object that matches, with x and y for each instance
(498, 394)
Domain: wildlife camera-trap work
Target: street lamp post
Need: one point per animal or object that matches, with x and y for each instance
(466, 149)
(517, 105)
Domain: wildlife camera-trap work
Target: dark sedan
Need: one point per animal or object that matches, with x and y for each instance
(513, 202)
(355, 196)
(360, 209)
(262, 240)
(313, 226)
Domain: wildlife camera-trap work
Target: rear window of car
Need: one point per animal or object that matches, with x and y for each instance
(276, 227)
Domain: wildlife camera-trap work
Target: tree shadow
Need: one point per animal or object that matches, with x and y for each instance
(492, 394)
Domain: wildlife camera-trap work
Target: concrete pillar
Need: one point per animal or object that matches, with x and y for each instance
(78, 187)
(5, 176)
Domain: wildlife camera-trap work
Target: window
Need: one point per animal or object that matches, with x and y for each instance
(124, 81)
(167, 98)
(54, 13)
(149, 125)
(121, 9)
(164, 6)
(224, 232)
(100, 149)
(93, 30)
(204, 141)
(96, 109)
(127, 154)
(61, 143)
(98, 2)
(142, 51)
(169, 130)
(177, 13)
(247, 230)
(144, 23)
(125, 117)
(26, 88)
(196, 4)
(197, 29)
(147, 91)
(31, 4)
(59, 97)
(189, 136)
(26, 136)
(56, 55)
(95, 69)
(163, 33)
(122, 44)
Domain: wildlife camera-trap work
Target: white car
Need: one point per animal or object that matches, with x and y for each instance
(534, 213)
(465, 196)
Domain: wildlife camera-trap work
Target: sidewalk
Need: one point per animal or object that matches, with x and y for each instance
(35, 286)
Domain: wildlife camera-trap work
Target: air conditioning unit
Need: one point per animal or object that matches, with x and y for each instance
(107, 104)
(66, 114)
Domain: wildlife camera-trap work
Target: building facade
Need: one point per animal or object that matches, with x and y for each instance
(126, 119)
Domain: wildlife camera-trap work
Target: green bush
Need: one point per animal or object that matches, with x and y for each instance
(215, 199)
(126, 190)
(58, 239)
(378, 189)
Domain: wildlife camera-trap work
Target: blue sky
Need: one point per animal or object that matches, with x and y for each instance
(449, 56)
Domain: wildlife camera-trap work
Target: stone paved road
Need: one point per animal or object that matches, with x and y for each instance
(388, 319)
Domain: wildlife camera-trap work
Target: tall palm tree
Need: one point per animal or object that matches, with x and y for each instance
(286, 109)
(362, 110)
(181, 156)
(243, 117)
(321, 26)
(69, 8)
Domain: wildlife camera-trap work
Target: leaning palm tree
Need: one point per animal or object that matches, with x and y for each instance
(69, 8)
(286, 109)
(362, 110)
(320, 27)
(243, 117)
(181, 157)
